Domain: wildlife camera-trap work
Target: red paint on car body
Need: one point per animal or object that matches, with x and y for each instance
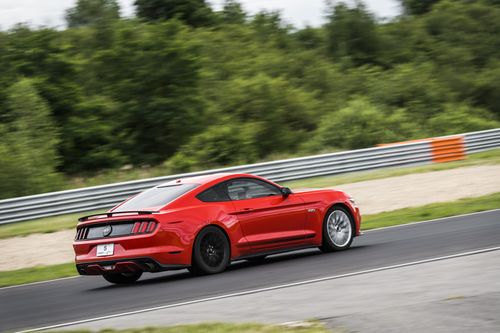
(162, 237)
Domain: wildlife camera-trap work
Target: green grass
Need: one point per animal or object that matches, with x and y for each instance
(400, 216)
(484, 158)
(432, 211)
(35, 274)
(43, 225)
(310, 327)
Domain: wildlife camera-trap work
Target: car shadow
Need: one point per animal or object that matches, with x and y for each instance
(283, 257)
(234, 267)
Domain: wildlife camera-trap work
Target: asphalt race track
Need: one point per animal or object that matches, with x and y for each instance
(80, 298)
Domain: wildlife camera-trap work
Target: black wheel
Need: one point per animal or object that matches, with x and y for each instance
(338, 230)
(210, 252)
(122, 278)
(257, 259)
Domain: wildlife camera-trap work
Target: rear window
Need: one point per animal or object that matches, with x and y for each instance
(157, 196)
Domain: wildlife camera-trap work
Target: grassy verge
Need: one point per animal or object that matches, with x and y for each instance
(308, 327)
(35, 274)
(43, 225)
(432, 211)
(484, 158)
(400, 216)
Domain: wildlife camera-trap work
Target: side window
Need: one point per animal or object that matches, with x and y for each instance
(213, 194)
(241, 189)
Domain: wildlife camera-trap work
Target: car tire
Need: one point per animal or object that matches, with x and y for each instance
(338, 230)
(122, 278)
(210, 252)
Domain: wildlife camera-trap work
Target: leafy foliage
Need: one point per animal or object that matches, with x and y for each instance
(417, 7)
(360, 124)
(92, 12)
(352, 33)
(233, 13)
(28, 146)
(183, 87)
(192, 12)
(156, 83)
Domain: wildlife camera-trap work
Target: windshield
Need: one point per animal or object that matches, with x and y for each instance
(157, 196)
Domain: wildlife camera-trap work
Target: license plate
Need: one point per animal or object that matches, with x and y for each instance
(105, 250)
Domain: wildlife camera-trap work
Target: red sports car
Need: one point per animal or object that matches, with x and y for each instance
(203, 223)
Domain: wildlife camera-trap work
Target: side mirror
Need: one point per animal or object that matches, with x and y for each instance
(285, 192)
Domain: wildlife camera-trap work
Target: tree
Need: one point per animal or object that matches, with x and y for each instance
(486, 88)
(282, 115)
(92, 137)
(416, 88)
(193, 12)
(28, 147)
(462, 34)
(42, 54)
(310, 38)
(352, 33)
(417, 7)
(233, 13)
(156, 85)
(89, 12)
(203, 89)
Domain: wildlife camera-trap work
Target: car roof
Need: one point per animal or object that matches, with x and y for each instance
(206, 179)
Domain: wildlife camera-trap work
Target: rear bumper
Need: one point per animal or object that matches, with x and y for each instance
(150, 253)
(124, 265)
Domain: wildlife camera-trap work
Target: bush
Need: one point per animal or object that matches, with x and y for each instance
(217, 146)
(460, 119)
(280, 115)
(358, 125)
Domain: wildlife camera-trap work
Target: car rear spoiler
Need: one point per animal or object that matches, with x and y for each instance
(110, 214)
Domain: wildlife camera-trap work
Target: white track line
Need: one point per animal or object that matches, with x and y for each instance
(427, 221)
(364, 231)
(259, 290)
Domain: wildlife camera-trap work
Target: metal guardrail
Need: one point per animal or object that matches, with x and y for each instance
(476, 142)
(106, 196)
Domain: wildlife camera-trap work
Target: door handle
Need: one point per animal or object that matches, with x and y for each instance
(243, 210)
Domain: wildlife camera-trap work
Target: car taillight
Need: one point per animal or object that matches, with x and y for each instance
(144, 227)
(117, 229)
(136, 227)
(81, 233)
